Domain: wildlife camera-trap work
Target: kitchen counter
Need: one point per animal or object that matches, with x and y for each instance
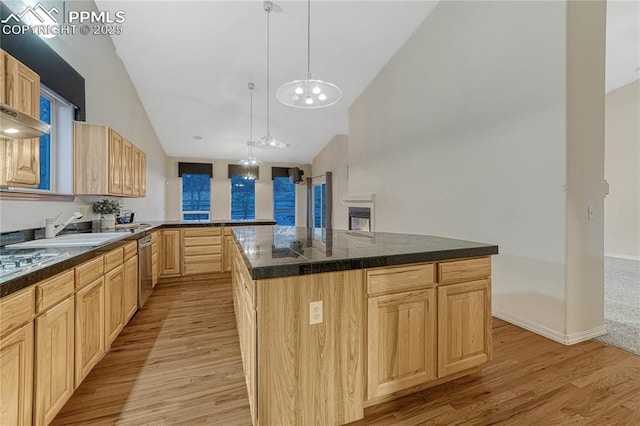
(281, 251)
(59, 259)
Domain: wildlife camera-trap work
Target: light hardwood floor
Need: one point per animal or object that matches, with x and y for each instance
(178, 363)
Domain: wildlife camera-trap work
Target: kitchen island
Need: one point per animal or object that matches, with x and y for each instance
(331, 322)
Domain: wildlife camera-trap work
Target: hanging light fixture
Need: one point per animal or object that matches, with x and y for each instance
(308, 93)
(267, 141)
(250, 160)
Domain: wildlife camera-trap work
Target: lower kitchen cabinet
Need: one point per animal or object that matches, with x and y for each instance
(90, 328)
(227, 250)
(401, 341)
(464, 326)
(114, 284)
(170, 252)
(130, 288)
(54, 361)
(155, 258)
(201, 250)
(16, 370)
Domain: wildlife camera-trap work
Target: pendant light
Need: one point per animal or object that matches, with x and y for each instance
(267, 141)
(250, 160)
(308, 93)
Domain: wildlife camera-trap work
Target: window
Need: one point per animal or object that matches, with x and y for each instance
(45, 145)
(284, 201)
(320, 205)
(196, 197)
(243, 198)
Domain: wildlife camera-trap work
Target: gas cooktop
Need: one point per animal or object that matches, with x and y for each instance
(19, 263)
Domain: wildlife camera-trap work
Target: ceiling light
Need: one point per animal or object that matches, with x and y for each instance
(318, 93)
(267, 141)
(250, 160)
(11, 131)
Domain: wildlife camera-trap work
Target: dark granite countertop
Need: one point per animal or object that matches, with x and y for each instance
(281, 251)
(60, 259)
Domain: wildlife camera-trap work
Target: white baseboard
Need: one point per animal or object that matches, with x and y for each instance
(622, 256)
(565, 339)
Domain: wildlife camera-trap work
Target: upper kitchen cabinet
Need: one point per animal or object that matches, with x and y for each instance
(20, 89)
(20, 86)
(105, 163)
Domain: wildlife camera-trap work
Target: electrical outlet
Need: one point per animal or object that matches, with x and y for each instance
(315, 312)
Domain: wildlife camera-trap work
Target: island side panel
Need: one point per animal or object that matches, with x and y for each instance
(311, 374)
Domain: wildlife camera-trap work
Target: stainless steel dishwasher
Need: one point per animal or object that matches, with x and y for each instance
(144, 265)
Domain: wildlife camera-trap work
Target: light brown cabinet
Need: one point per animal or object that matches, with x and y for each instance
(137, 172)
(245, 311)
(170, 252)
(20, 89)
(114, 303)
(155, 258)
(201, 250)
(401, 341)
(54, 361)
(130, 288)
(127, 168)
(227, 250)
(426, 323)
(464, 326)
(90, 328)
(103, 162)
(16, 370)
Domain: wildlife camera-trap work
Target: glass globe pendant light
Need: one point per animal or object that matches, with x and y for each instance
(250, 160)
(308, 93)
(267, 141)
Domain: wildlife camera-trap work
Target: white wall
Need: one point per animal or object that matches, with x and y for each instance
(112, 100)
(622, 171)
(464, 134)
(334, 158)
(221, 190)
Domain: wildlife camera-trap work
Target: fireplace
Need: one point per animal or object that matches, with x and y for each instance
(360, 219)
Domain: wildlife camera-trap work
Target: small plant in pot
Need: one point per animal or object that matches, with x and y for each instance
(108, 210)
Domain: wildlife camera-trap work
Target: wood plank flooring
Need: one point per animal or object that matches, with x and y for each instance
(178, 363)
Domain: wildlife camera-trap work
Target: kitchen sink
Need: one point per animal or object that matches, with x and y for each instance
(71, 240)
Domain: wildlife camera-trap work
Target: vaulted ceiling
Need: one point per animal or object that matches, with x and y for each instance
(191, 61)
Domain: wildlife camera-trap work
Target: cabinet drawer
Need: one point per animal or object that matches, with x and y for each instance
(464, 270)
(401, 278)
(204, 264)
(130, 250)
(54, 290)
(113, 259)
(17, 309)
(202, 250)
(89, 271)
(202, 232)
(202, 241)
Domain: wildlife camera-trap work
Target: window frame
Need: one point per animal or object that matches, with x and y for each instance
(295, 200)
(209, 212)
(231, 184)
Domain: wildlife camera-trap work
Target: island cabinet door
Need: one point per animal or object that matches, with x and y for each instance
(464, 326)
(401, 341)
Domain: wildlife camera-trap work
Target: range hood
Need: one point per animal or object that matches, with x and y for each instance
(17, 125)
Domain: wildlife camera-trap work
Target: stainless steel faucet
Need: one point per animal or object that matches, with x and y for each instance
(51, 230)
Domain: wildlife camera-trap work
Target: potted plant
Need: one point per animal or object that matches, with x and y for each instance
(108, 210)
